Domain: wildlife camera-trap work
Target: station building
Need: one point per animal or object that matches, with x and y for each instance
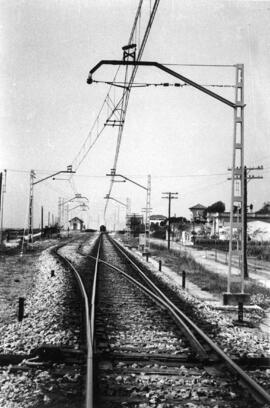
(76, 224)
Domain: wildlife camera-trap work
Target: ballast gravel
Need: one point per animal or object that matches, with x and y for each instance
(234, 340)
(47, 308)
(52, 317)
(51, 300)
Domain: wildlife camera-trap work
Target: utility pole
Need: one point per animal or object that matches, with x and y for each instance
(237, 178)
(31, 205)
(42, 218)
(66, 209)
(128, 211)
(170, 196)
(1, 209)
(62, 223)
(147, 211)
(243, 214)
(2, 192)
(31, 195)
(59, 210)
(113, 174)
(247, 177)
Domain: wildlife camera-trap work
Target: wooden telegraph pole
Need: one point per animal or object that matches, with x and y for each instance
(169, 196)
(247, 177)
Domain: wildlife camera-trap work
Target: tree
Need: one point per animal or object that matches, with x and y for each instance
(135, 223)
(265, 208)
(218, 207)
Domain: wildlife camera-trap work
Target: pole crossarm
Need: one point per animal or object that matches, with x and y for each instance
(55, 174)
(168, 71)
(126, 178)
(78, 196)
(83, 207)
(107, 197)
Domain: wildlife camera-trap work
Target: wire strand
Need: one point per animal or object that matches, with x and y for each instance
(201, 65)
(165, 84)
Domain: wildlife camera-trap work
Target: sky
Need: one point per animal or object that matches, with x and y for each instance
(180, 136)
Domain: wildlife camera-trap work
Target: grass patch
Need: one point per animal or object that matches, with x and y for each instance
(207, 280)
(260, 250)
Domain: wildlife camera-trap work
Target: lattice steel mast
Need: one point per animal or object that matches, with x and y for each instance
(238, 174)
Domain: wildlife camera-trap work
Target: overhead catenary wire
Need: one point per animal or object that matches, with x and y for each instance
(114, 83)
(155, 84)
(265, 169)
(200, 65)
(56, 189)
(126, 93)
(88, 143)
(203, 187)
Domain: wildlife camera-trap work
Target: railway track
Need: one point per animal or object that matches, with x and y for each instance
(135, 336)
(138, 346)
(143, 351)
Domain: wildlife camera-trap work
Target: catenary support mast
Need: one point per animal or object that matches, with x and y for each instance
(238, 175)
(147, 215)
(237, 189)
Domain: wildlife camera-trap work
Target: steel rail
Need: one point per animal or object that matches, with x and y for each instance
(258, 392)
(194, 342)
(94, 290)
(89, 344)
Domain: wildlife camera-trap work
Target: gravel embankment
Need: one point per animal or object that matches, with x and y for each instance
(52, 316)
(51, 300)
(235, 341)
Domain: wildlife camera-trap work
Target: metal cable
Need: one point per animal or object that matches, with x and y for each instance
(126, 94)
(165, 84)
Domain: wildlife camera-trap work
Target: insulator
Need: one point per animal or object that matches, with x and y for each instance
(89, 79)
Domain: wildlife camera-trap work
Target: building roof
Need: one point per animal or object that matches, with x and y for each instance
(157, 217)
(76, 219)
(198, 207)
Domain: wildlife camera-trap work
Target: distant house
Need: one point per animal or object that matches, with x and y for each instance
(76, 224)
(198, 212)
(157, 219)
(220, 223)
